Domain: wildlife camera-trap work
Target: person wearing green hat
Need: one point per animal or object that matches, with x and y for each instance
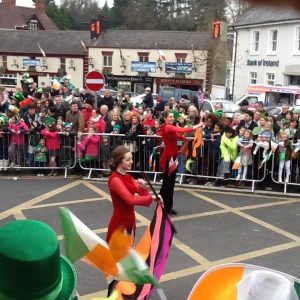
(18, 96)
(31, 266)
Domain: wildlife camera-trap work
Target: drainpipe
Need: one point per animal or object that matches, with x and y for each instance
(234, 60)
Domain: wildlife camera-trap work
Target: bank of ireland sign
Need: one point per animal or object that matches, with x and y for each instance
(262, 63)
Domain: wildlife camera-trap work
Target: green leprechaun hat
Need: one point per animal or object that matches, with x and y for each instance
(49, 121)
(31, 266)
(18, 96)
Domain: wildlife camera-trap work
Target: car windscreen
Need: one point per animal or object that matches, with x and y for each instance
(229, 107)
(167, 92)
(278, 99)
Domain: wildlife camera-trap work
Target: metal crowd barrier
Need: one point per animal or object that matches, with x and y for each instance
(26, 152)
(146, 150)
(289, 175)
(92, 153)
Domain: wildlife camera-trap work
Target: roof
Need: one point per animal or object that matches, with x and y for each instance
(53, 42)
(153, 39)
(267, 14)
(19, 16)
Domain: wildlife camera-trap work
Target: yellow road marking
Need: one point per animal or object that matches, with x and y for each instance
(65, 203)
(246, 193)
(38, 199)
(19, 216)
(246, 216)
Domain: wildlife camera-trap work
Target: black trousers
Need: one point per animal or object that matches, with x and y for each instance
(167, 189)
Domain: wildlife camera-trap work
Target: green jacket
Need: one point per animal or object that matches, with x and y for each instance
(228, 148)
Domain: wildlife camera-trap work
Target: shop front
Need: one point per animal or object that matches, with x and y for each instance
(182, 83)
(135, 84)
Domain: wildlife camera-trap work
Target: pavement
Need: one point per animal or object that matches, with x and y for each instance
(213, 227)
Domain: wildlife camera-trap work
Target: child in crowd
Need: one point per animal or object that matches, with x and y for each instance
(104, 152)
(291, 129)
(90, 145)
(264, 139)
(228, 149)
(40, 156)
(3, 142)
(284, 155)
(52, 143)
(16, 151)
(245, 143)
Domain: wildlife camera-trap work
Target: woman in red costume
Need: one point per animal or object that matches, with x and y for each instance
(125, 192)
(168, 161)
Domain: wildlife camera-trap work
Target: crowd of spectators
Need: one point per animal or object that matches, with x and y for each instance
(46, 127)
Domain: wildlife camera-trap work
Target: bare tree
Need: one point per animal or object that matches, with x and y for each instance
(235, 9)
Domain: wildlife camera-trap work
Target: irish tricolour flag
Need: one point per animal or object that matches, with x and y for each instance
(245, 282)
(82, 243)
(116, 260)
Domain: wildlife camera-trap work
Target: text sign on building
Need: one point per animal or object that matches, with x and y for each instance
(144, 67)
(179, 68)
(31, 62)
(94, 81)
(263, 63)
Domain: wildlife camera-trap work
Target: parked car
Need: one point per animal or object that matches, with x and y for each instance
(166, 92)
(229, 107)
(112, 92)
(139, 99)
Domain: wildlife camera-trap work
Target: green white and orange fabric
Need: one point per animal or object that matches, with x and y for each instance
(116, 260)
(245, 282)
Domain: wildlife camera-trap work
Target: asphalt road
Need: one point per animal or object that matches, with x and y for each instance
(213, 227)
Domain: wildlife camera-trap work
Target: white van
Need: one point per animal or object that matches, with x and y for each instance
(272, 95)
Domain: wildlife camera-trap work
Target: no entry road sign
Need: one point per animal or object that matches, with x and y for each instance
(94, 81)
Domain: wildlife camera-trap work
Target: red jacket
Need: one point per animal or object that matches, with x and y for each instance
(87, 115)
(52, 139)
(170, 134)
(123, 190)
(146, 123)
(90, 145)
(18, 139)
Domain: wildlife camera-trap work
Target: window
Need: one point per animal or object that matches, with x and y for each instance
(180, 57)
(297, 45)
(32, 25)
(9, 80)
(180, 60)
(107, 58)
(273, 41)
(63, 63)
(4, 61)
(143, 56)
(255, 42)
(270, 79)
(253, 77)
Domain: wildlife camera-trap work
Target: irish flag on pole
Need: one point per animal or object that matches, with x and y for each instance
(162, 55)
(83, 243)
(117, 259)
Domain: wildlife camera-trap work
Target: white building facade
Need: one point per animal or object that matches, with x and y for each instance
(267, 49)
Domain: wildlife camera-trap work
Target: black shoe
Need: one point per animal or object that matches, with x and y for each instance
(172, 211)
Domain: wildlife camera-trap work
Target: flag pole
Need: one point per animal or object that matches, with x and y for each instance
(145, 177)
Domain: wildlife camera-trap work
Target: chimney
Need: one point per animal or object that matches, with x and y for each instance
(9, 3)
(40, 6)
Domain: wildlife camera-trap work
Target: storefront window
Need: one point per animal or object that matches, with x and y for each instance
(8, 80)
